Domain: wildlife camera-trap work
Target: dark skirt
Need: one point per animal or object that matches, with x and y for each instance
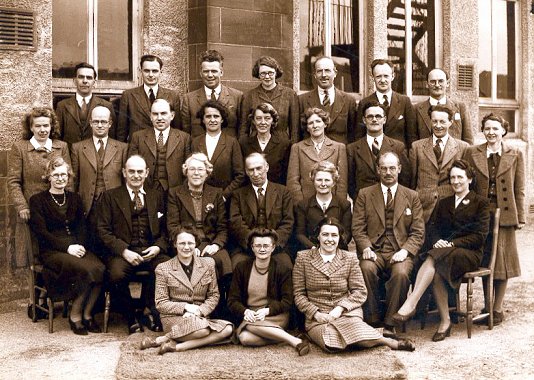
(452, 263)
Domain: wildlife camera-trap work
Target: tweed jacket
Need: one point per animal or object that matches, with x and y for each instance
(192, 102)
(429, 179)
(228, 167)
(276, 153)
(71, 128)
(369, 219)
(321, 287)
(301, 160)
(244, 214)
(144, 143)
(174, 289)
(279, 288)
(342, 114)
(285, 102)
(181, 212)
(84, 166)
(401, 121)
(460, 129)
(134, 111)
(362, 167)
(26, 168)
(114, 222)
(510, 181)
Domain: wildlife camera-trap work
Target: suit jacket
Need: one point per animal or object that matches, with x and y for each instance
(429, 179)
(228, 168)
(84, 163)
(229, 97)
(510, 181)
(144, 143)
(114, 222)
(244, 214)
(369, 219)
(181, 212)
(276, 153)
(134, 111)
(401, 121)
(174, 289)
(362, 167)
(71, 128)
(342, 114)
(286, 103)
(460, 129)
(301, 160)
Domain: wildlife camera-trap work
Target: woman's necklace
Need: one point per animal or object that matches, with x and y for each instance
(258, 270)
(60, 204)
(196, 194)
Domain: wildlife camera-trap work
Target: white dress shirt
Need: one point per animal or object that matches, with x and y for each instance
(371, 139)
(141, 194)
(217, 92)
(47, 145)
(385, 191)
(211, 143)
(331, 94)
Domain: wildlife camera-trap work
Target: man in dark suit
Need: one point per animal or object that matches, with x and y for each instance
(260, 204)
(134, 111)
(74, 113)
(164, 149)
(340, 105)
(131, 224)
(362, 155)
(97, 164)
(437, 82)
(211, 71)
(389, 230)
(400, 123)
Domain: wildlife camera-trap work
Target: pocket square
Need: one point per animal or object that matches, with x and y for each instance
(457, 116)
(407, 212)
(400, 117)
(160, 214)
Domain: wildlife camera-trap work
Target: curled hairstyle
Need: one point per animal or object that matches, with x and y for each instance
(187, 229)
(267, 61)
(309, 112)
(325, 166)
(265, 108)
(497, 118)
(27, 122)
(467, 168)
(201, 157)
(441, 108)
(374, 103)
(218, 106)
(52, 164)
(262, 232)
(151, 58)
(211, 56)
(381, 61)
(84, 65)
(328, 221)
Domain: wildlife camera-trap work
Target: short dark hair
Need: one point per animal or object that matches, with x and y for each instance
(211, 56)
(151, 58)
(188, 229)
(381, 61)
(84, 65)
(262, 232)
(324, 115)
(467, 168)
(40, 112)
(441, 108)
(374, 103)
(328, 221)
(213, 104)
(266, 61)
(498, 119)
(265, 108)
(437, 68)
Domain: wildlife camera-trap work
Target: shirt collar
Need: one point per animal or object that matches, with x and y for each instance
(320, 204)
(444, 139)
(216, 137)
(434, 101)
(130, 191)
(328, 258)
(371, 139)
(154, 88)
(499, 151)
(165, 133)
(104, 140)
(264, 187)
(79, 99)
(393, 189)
(217, 91)
(380, 96)
(36, 145)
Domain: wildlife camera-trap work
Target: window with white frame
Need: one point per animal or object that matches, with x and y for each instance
(498, 63)
(331, 27)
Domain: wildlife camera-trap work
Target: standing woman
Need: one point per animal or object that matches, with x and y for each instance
(282, 98)
(274, 147)
(318, 147)
(500, 177)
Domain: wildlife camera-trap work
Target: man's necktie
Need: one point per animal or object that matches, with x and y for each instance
(437, 150)
(386, 101)
(213, 95)
(101, 149)
(138, 204)
(389, 199)
(160, 140)
(151, 96)
(84, 110)
(326, 100)
(375, 148)
(261, 197)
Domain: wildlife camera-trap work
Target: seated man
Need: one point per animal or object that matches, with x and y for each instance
(131, 225)
(389, 230)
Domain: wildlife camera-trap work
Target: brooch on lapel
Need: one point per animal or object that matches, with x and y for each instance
(407, 212)
(465, 202)
(209, 207)
(160, 214)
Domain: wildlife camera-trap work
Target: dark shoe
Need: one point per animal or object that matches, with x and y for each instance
(169, 346)
(134, 326)
(389, 332)
(406, 345)
(400, 319)
(303, 348)
(439, 336)
(39, 314)
(498, 317)
(91, 325)
(148, 342)
(77, 327)
(152, 322)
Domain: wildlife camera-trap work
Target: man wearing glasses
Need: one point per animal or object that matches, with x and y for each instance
(362, 155)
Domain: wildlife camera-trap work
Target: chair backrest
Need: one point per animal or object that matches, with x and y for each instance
(495, 240)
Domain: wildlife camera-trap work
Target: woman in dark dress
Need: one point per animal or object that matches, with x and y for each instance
(264, 120)
(457, 232)
(261, 296)
(71, 271)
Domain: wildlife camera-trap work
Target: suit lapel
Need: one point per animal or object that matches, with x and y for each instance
(309, 150)
(172, 143)
(270, 197)
(449, 152)
(250, 198)
(152, 210)
(219, 148)
(208, 197)
(109, 153)
(429, 152)
(394, 107)
(179, 274)
(72, 108)
(507, 160)
(198, 272)
(480, 160)
(318, 263)
(185, 198)
(277, 92)
(378, 203)
(200, 98)
(124, 205)
(141, 99)
(337, 107)
(327, 149)
(362, 150)
(423, 111)
(399, 205)
(150, 141)
(89, 152)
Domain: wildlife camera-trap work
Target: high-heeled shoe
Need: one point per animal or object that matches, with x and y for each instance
(439, 336)
(91, 325)
(399, 319)
(148, 342)
(169, 346)
(77, 327)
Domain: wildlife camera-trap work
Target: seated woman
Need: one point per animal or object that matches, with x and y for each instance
(261, 295)
(311, 211)
(329, 289)
(458, 230)
(71, 271)
(184, 314)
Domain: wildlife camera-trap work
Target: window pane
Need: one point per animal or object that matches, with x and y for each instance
(504, 21)
(114, 39)
(484, 49)
(69, 36)
(311, 39)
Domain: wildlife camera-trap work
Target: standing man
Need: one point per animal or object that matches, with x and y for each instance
(400, 123)
(97, 164)
(388, 228)
(131, 224)
(134, 112)
(362, 155)
(211, 71)
(340, 105)
(164, 149)
(73, 113)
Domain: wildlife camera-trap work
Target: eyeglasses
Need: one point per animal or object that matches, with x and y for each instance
(385, 169)
(99, 122)
(267, 74)
(186, 243)
(260, 246)
(371, 117)
(59, 175)
(196, 170)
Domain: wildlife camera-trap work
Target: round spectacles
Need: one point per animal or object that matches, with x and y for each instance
(260, 246)
(59, 175)
(267, 74)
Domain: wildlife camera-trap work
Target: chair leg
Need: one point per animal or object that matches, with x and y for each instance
(65, 309)
(106, 310)
(491, 300)
(50, 315)
(469, 305)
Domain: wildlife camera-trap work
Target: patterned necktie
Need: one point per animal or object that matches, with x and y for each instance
(326, 100)
(213, 95)
(160, 140)
(101, 149)
(386, 101)
(437, 150)
(138, 204)
(261, 197)
(375, 148)
(151, 96)
(389, 199)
